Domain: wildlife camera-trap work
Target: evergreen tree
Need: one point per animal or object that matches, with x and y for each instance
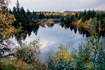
(29, 16)
(80, 15)
(14, 10)
(88, 14)
(72, 17)
(10, 11)
(84, 13)
(17, 5)
(41, 16)
(23, 15)
(97, 15)
(93, 13)
(52, 16)
(61, 19)
(76, 15)
(84, 18)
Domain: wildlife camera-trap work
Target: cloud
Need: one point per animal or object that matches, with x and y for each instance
(60, 5)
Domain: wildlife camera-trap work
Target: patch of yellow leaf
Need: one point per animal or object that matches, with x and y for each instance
(63, 54)
(6, 20)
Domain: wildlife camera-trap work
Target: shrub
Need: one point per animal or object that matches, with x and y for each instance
(50, 21)
(26, 58)
(42, 21)
(61, 60)
(28, 53)
(80, 21)
(7, 64)
(90, 55)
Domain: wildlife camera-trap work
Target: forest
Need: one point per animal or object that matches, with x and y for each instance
(90, 56)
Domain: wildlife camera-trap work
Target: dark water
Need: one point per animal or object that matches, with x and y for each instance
(51, 37)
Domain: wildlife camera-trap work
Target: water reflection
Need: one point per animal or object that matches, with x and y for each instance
(51, 37)
(26, 30)
(74, 28)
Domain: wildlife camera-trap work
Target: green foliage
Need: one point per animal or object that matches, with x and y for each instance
(7, 64)
(42, 21)
(79, 21)
(61, 19)
(50, 21)
(41, 16)
(24, 17)
(67, 18)
(61, 60)
(28, 53)
(26, 58)
(76, 15)
(90, 55)
(13, 64)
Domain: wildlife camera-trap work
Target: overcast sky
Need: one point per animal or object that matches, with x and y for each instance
(60, 5)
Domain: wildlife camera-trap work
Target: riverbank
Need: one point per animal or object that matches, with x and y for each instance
(86, 26)
(45, 22)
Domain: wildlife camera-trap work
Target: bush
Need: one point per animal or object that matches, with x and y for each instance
(61, 60)
(26, 58)
(28, 53)
(90, 55)
(7, 64)
(50, 21)
(80, 21)
(42, 21)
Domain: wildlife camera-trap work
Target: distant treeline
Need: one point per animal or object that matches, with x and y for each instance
(26, 17)
(85, 15)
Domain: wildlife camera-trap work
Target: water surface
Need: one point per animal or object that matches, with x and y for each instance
(51, 37)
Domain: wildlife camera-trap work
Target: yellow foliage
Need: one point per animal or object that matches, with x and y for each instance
(63, 54)
(87, 22)
(6, 21)
(73, 13)
(80, 21)
(89, 65)
(91, 19)
(65, 14)
(46, 14)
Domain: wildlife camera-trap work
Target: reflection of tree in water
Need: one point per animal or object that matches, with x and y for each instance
(101, 33)
(35, 29)
(26, 30)
(50, 25)
(81, 30)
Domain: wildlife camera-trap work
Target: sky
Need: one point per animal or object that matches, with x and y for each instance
(60, 5)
